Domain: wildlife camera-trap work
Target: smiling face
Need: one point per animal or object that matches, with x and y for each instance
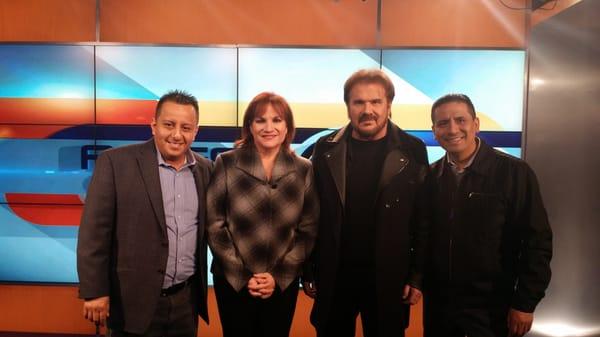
(174, 131)
(369, 111)
(268, 130)
(455, 129)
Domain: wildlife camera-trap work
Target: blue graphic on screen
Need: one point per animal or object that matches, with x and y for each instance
(300, 75)
(49, 149)
(208, 73)
(46, 71)
(492, 79)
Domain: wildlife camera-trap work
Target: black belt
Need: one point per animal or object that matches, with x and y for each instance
(175, 288)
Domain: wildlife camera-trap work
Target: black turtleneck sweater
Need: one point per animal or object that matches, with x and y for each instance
(364, 164)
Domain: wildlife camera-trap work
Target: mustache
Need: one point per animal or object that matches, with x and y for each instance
(367, 117)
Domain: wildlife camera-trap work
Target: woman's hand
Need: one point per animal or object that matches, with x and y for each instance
(261, 285)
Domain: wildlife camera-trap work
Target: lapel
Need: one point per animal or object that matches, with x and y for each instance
(335, 158)
(396, 158)
(284, 165)
(249, 161)
(148, 165)
(200, 183)
(199, 179)
(395, 161)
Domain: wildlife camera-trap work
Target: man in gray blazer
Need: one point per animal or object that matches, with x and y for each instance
(141, 254)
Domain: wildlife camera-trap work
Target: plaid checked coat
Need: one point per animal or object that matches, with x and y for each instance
(255, 225)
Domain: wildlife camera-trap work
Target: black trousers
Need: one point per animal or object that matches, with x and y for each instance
(353, 296)
(442, 318)
(244, 315)
(175, 316)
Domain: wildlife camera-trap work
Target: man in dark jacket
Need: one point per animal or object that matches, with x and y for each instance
(368, 256)
(141, 254)
(490, 241)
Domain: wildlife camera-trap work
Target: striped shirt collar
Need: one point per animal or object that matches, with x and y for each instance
(190, 160)
(453, 165)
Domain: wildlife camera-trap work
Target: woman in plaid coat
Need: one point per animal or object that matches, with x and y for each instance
(262, 222)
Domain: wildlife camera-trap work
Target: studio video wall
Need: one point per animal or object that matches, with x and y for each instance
(61, 105)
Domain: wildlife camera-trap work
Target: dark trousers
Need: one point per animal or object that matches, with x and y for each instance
(353, 295)
(175, 316)
(244, 315)
(441, 318)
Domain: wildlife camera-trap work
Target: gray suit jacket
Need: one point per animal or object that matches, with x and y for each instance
(123, 246)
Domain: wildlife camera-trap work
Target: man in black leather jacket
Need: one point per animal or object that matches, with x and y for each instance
(490, 241)
(368, 257)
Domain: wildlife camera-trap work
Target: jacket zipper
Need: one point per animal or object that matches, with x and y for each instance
(452, 223)
(450, 260)
(451, 238)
